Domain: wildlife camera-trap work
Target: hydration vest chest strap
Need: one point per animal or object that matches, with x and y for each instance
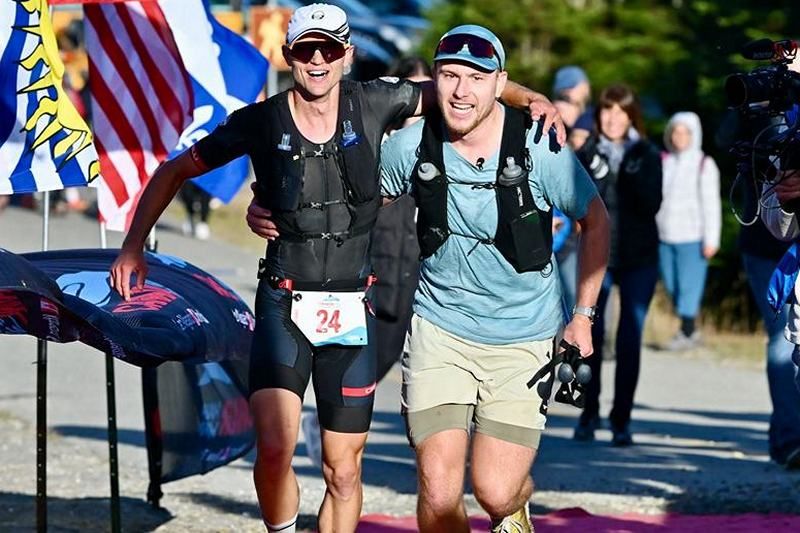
(280, 185)
(524, 232)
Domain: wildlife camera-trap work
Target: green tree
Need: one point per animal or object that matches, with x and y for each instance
(675, 53)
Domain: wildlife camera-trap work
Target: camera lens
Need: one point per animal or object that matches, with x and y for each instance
(565, 373)
(584, 374)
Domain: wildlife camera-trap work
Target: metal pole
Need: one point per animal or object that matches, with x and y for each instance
(113, 464)
(46, 225)
(272, 73)
(41, 436)
(103, 238)
(111, 406)
(41, 403)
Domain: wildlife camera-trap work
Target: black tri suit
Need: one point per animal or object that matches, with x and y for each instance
(324, 199)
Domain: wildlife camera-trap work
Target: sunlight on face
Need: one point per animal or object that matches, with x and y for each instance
(317, 77)
(466, 95)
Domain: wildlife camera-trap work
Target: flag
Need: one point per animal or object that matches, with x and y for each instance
(141, 100)
(45, 145)
(226, 72)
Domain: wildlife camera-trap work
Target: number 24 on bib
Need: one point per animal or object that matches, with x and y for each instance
(331, 317)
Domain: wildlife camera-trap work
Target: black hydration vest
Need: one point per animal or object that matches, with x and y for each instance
(280, 182)
(524, 234)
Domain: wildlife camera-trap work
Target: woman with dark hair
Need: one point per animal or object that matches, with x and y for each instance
(626, 169)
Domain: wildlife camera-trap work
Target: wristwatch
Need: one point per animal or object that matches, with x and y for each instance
(588, 312)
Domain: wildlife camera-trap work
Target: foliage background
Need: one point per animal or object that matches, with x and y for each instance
(675, 53)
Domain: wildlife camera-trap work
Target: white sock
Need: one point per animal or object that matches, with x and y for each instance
(290, 526)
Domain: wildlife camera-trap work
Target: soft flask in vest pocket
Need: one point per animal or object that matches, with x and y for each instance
(281, 191)
(357, 165)
(530, 246)
(431, 196)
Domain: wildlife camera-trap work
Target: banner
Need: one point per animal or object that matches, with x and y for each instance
(185, 320)
(182, 314)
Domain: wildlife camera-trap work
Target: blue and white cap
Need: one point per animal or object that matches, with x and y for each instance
(326, 19)
(496, 62)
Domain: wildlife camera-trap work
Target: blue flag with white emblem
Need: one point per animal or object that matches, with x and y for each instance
(45, 144)
(226, 73)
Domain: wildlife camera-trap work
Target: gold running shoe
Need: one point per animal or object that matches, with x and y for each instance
(519, 522)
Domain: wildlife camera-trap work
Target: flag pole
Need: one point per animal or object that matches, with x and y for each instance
(103, 238)
(113, 440)
(272, 74)
(41, 402)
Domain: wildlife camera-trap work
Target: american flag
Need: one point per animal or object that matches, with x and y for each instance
(141, 100)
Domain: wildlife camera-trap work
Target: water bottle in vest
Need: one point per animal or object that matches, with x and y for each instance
(427, 171)
(512, 176)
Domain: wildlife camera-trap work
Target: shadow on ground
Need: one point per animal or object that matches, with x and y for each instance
(698, 462)
(18, 514)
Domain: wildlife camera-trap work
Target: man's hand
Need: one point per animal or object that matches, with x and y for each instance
(788, 188)
(128, 262)
(258, 219)
(579, 333)
(541, 107)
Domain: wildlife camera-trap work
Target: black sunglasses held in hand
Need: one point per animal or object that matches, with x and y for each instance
(477, 47)
(331, 51)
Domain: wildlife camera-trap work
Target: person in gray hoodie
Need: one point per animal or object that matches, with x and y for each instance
(689, 222)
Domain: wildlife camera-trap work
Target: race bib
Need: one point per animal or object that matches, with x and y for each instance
(331, 317)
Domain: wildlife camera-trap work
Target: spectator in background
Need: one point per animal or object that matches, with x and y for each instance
(627, 171)
(689, 222)
(572, 95)
(565, 246)
(198, 209)
(779, 214)
(760, 255)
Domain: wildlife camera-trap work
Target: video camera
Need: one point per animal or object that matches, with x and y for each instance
(766, 101)
(573, 374)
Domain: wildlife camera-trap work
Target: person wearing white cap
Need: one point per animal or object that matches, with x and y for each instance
(488, 312)
(315, 153)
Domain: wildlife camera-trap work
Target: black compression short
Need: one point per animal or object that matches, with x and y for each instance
(281, 357)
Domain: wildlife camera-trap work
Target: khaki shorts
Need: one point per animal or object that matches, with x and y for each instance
(449, 382)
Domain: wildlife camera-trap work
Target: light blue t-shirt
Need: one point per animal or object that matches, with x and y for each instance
(468, 288)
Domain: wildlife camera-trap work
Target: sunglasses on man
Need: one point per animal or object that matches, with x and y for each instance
(453, 44)
(303, 51)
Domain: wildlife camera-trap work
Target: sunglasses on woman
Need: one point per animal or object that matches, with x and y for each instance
(453, 44)
(331, 51)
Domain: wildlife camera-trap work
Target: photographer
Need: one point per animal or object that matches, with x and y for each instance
(779, 214)
(762, 132)
(780, 204)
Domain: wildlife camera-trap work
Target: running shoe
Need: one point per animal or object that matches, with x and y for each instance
(202, 231)
(519, 522)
